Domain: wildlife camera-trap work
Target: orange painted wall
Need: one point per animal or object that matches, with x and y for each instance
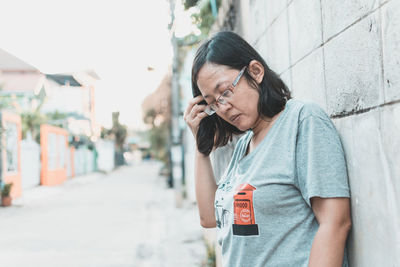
(59, 174)
(14, 177)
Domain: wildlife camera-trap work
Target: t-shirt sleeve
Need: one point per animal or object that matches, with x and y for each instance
(320, 160)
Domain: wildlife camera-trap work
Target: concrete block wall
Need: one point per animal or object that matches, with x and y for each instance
(345, 56)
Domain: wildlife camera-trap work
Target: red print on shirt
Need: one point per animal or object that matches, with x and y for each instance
(244, 220)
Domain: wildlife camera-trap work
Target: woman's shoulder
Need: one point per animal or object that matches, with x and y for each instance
(305, 109)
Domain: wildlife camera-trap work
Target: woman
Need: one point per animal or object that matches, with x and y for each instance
(284, 197)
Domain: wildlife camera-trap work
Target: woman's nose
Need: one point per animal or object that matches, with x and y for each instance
(225, 107)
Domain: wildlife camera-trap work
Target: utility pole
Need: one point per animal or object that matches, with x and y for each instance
(176, 140)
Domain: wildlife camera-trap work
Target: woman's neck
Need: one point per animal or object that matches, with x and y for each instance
(262, 127)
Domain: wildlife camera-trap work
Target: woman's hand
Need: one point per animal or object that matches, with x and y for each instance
(194, 113)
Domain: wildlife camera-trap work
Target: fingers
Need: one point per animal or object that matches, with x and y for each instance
(193, 102)
(198, 117)
(194, 122)
(193, 108)
(196, 110)
(194, 113)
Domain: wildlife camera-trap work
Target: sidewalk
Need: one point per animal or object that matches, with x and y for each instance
(125, 218)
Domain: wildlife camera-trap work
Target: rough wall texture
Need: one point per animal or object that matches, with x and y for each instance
(345, 56)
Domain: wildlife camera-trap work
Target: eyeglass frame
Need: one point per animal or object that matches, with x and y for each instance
(209, 110)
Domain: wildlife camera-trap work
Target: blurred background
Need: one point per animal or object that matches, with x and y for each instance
(96, 163)
(86, 95)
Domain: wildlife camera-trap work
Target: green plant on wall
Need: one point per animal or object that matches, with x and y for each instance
(204, 18)
(118, 133)
(5, 100)
(210, 260)
(4, 103)
(6, 190)
(2, 132)
(31, 118)
(158, 135)
(31, 122)
(56, 116)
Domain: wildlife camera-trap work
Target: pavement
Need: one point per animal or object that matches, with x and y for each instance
(126, 218)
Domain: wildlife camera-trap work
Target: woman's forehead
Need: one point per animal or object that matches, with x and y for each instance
(211, 76)
(210, 69)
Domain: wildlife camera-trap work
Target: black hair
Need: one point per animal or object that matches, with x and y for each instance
(229, 49)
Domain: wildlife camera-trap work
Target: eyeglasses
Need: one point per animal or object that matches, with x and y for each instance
(225, 96)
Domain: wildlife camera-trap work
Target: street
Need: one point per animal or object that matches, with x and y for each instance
(126, 218)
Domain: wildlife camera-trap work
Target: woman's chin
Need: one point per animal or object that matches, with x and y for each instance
(239, 124)
(241, 127)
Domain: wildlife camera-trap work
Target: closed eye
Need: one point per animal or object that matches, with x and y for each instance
(226, 92)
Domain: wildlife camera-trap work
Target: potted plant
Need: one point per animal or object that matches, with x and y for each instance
(5, 195)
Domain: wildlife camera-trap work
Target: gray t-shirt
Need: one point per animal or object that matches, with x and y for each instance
(262, 204)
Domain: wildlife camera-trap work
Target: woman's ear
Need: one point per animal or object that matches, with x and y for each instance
(256, 70)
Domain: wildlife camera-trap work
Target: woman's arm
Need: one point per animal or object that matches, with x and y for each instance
(205, 190)
(333, 216)
(204, 176)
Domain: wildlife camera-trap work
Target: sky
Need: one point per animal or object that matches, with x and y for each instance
(118, 39)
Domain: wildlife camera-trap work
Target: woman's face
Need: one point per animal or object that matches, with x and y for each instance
(241, 109)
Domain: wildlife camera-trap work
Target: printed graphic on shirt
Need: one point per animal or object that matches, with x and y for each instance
(244, 220)
(226, 187)
(223, 215)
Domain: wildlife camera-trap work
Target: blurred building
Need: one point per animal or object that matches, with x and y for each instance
(20, 81)
(71, 94)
